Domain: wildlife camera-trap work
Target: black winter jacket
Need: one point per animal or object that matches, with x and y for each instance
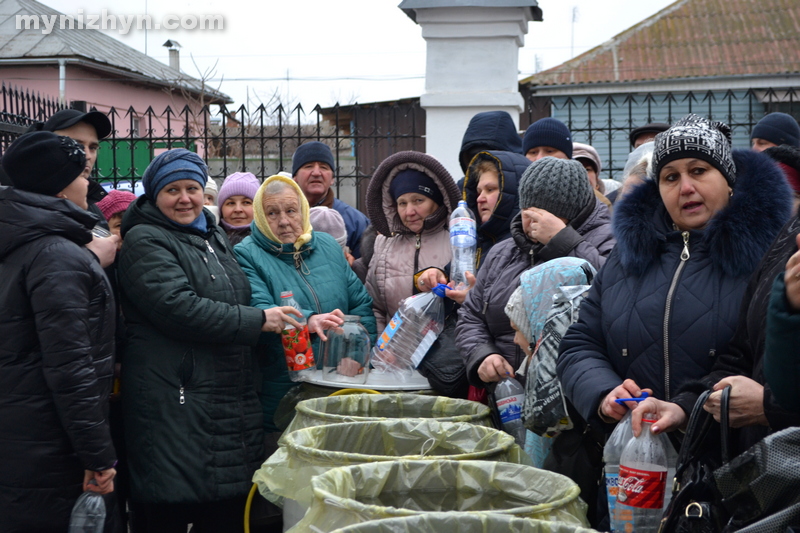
(192, 418)
(656, 318)
(56, 359)
(483, 327)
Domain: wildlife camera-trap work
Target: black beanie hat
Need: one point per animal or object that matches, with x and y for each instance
(310, 152)
(43, 162)
(778, 128)
(548, 132)
(559, 186)
(695, 136)
(410, 180)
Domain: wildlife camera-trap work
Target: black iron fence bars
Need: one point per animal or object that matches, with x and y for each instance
(262, 140)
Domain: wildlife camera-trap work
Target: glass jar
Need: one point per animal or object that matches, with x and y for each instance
(347, 352)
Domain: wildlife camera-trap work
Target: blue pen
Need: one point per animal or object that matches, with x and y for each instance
(621, 401)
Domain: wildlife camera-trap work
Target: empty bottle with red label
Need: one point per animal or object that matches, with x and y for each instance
(297, 344)
(642, 482)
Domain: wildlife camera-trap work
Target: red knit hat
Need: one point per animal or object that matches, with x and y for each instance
(115, 202)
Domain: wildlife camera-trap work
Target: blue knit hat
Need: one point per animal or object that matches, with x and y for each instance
(548, 132)
(173, 165)
(310, 152)
(778, 128)
(410, 180)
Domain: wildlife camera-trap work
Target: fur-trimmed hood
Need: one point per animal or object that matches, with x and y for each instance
(736, 237)
(381, 207)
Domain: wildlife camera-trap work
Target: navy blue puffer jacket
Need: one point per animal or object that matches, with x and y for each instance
(655, 318)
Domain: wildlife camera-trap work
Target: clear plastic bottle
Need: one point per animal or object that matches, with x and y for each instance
(297, 344)
(642, 482)
(463, 243)
(410, 333)
(88, 514)
(509, 396)
(612, 452)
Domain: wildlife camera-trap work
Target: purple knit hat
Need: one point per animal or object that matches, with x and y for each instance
(115, 202)
(238, 184)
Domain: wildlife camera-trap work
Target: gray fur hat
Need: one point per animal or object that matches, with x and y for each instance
(559, 186)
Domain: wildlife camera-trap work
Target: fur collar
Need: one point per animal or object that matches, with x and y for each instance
(736, 238)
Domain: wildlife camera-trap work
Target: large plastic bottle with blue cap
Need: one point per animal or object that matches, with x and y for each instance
(410, 333)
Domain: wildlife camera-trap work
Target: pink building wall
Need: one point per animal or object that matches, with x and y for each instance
(103, 92)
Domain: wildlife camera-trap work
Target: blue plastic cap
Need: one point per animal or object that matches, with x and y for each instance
(621, 401)
(439, 289)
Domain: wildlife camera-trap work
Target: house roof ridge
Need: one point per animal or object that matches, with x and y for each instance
(665, 45)
(94, 48)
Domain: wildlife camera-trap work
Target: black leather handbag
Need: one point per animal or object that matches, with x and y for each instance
(696, 503)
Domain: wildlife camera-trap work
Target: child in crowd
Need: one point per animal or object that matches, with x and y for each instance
(113, 206)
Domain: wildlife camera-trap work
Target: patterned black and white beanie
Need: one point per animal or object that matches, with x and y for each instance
(698, 137)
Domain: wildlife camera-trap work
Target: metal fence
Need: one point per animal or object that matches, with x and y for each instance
(605, 121)
(263, 140)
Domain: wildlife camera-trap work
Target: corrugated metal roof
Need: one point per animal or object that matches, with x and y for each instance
(93, 47)
(689, 39)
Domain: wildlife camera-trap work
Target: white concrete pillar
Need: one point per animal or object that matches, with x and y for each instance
(472, 65)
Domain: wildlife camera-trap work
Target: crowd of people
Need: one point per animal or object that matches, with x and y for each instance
(144, 363)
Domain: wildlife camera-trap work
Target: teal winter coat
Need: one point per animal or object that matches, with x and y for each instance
(321, 281)
(191, 412)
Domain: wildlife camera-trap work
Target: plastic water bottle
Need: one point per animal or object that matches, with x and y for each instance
(509, 396)
(88, 514)
(463, 242)
(297, 344)
(612, 452)
(410, 333)
(642, 482)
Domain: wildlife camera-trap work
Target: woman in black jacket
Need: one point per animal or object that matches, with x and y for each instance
(192, 418)
(56, 339)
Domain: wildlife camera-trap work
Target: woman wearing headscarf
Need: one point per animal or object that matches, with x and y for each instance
(409, 201)
(283, 253)
(560, 217)
(192, 417)
(666, 303)
(235, 202)
(56, 339)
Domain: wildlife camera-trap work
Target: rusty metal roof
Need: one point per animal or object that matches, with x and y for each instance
(93, 49)
(690, 39)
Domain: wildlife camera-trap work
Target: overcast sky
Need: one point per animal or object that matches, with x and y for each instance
(345, 51)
